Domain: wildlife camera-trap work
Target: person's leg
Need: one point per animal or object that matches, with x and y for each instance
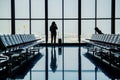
(55, 38)
(51, 38)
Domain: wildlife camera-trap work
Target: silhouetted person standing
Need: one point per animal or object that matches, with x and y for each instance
(53, 31)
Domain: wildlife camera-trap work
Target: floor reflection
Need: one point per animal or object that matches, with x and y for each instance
(21, 72)
(108, 70)
(53, 64)
(64, 63)
(60, 50)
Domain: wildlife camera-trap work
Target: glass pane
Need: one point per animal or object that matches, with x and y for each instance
(71, 8)
(5, 8)
(22, 26)
(118, 8)
(104, 26)
(54, 8)
(88, 8)
(71, 58)
(55, 76)
(88, 75)
(104, 8)
(117, 29)
(37, 8)
(71, 76)
(21, 8)
(59, 30)
(87, 28)
(71, 31)
(5, 27)
(38, 28)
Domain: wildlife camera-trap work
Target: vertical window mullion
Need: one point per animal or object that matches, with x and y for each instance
(113, 17)
(30, 16)
(63, 21)
(79, 21)
(46, 20)
(12, 16)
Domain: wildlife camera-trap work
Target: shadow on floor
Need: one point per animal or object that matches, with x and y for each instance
(108, 70)
(25, 68)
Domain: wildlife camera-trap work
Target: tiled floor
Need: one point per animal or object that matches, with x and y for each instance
(61, 63)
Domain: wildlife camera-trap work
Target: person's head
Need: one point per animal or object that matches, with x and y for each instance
(53, 22)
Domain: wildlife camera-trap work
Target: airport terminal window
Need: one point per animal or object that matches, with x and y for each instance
(88, 6)
(117, 8)
(71, 8)
(103, 8)
(5, 16)
(5, 9)
(55, 13)
(117, 29)
(117, 26)
(87, 27)
(22, 8)
(38, 8)
(5, 26)
(71, 31)
(104, 26)
(38, 28)
(22, 26)
(88, 16)
(117, 21)
(54, 8)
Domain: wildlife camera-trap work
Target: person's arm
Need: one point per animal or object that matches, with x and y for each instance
(56, 26)
(50, 28)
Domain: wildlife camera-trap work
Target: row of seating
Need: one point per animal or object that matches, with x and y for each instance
(17, 41)
(16, 49)
(106, 47)
(109, 40)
